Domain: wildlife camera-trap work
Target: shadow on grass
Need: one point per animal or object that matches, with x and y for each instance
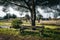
(30, 33)
(48, 33)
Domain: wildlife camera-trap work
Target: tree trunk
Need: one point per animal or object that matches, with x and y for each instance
(33, 14)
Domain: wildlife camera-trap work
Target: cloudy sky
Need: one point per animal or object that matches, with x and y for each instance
(12, 11)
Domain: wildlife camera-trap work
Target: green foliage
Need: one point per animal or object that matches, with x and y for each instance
(16, 23)
(27, 16)
(8, 16)
(40, 16)
(14, 16)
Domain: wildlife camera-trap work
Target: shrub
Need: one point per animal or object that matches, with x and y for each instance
(16, 23)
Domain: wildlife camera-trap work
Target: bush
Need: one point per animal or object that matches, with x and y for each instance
(16, 23)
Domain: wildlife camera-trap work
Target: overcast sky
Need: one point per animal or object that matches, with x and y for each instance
(12, 11)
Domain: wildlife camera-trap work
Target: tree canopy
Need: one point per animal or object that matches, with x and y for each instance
(28, 3)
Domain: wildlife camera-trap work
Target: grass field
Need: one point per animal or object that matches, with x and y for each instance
(14, 34)
(50, 32)
(37, 24)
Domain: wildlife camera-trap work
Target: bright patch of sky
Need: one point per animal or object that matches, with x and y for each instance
(12, 11)
(1, 12)
(45, 15)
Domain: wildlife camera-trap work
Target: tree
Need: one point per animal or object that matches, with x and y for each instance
(39, 17)
(7, 16)
(14, 16)
(27, 17)
(30, 5)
